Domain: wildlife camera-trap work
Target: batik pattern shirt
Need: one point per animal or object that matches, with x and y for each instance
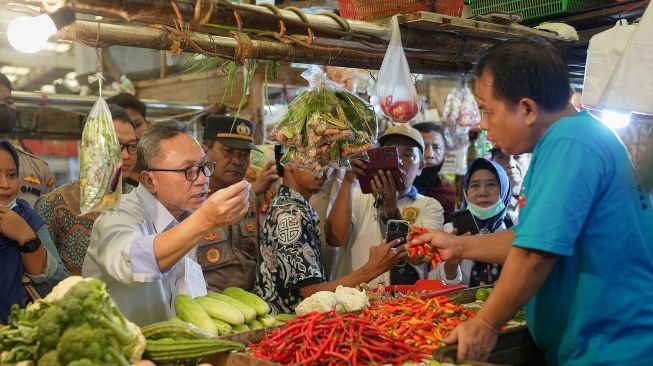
(289, 251)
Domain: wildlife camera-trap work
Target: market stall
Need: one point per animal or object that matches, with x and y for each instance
(324, 126)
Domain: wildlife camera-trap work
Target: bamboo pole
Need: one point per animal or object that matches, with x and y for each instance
(86, 32)
(252, 16)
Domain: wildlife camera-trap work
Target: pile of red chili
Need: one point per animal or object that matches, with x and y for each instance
(424, 248)
(421, 323)
(329, 338)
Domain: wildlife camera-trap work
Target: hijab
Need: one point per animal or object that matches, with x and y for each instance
(11, 264)
(494, 222)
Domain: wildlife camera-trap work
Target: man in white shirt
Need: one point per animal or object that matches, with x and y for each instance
(356, 220)
(141, 249)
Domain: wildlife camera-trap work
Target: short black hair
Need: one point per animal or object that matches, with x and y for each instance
(4, 80)
(126, 100)
(278, 153)
(118, 113)
(527, 69)
(426, 127)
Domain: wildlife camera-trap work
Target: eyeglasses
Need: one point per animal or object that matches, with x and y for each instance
(131, 148)
(192, 172)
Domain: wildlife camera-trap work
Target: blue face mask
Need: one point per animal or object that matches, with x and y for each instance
(485, 213)
(10, 205)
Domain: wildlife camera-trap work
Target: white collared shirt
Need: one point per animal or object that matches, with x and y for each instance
(121, 253)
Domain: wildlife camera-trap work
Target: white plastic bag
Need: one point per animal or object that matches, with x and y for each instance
(603, 54)
(631, 86)
(395, 89)
(100, 161)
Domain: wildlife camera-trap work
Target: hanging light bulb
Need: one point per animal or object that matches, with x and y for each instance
(30, 34)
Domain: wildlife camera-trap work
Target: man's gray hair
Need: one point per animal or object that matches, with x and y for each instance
(149, 148)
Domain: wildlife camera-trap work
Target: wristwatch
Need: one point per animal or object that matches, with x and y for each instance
(30, 245)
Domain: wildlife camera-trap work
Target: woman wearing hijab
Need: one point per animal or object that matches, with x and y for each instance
(25, 244)
(486, 191)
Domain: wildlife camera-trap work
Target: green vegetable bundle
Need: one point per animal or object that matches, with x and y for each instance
(325, 126)
(100, 161)
(77, 324)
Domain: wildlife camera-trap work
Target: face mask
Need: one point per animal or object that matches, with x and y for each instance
(10, 205)
(7, 119)
(485, 213)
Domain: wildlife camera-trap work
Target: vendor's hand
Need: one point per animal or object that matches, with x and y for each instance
(357, 168)
(447, 244)
(265, 177)
(475, 338)
(227, 205)
(14, 227)
(384, 256)
(384, 184)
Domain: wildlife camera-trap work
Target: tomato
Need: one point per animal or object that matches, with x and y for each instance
(400, 110)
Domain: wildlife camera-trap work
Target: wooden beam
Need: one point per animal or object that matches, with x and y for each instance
(87, 32)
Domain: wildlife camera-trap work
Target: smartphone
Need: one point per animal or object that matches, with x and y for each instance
(381, 158)
(396, 229)
(464, 222)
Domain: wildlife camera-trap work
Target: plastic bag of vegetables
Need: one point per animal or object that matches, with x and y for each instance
(325, 126)
(100, 161)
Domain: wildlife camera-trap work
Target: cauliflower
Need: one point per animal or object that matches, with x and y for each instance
(351, 299)
(344, 299)
(319, 301)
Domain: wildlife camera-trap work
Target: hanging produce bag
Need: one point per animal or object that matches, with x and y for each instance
(630, 89)
(396, 91)
(603, 53)
(325, 126)
(460, 107)
(100, 161)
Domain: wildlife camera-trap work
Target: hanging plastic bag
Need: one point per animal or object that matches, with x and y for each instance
(100, 161)
(325, 126)
(397, 95)
(460, 107)
(630, 88)
(603, 54)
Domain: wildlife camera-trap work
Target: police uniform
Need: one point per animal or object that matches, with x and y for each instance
(35, 177)
(227, 254)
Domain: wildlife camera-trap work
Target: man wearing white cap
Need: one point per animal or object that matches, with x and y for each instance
(358, 219)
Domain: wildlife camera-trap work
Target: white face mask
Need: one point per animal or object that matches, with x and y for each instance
(485, 213)
(10, 205)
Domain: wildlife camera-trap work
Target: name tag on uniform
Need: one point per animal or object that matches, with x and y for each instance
(193, 279)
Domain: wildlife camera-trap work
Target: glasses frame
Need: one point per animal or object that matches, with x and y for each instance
(210, 165)
(128, 146)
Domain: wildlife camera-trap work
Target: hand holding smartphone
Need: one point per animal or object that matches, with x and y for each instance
(464, 222)
(381, 158)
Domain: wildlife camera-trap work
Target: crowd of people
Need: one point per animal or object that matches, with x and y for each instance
(189, 220)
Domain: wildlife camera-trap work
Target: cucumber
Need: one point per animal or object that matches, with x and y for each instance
(267, 320)
(190, 311)
(240, 328)
(221, 310)
(175, 330)
(248, 311)
(223, 328)
(255, 324)
(248, 298)
(175, 318)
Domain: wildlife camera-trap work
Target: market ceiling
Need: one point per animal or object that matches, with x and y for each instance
(435, 44)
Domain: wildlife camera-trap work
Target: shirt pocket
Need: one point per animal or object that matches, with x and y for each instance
(249, 237)
(213, 251)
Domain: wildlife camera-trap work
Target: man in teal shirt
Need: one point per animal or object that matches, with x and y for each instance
(581, 258)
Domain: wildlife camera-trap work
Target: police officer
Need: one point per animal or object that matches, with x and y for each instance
(228, 254)
(35, 177)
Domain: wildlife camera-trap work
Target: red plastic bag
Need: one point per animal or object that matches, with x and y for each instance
(395, 89)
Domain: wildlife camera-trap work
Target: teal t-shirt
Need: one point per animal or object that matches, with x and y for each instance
(581, 201)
